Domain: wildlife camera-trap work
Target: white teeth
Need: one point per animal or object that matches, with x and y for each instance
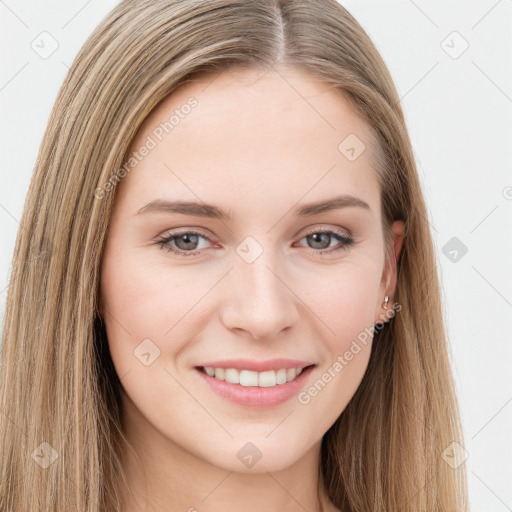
(232, 375)
(249, 378)
(281, 376)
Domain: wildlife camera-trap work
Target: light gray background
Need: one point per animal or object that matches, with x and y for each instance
(459, 110)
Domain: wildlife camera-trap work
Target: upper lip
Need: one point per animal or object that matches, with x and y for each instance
(257, 366)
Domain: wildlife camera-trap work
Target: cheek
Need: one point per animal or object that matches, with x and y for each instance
(146, 301)
(342, 301)
(343, 318)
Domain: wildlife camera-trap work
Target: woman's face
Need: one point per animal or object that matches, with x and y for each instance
(243, 270)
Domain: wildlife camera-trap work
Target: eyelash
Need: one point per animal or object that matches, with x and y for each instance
(347, 241)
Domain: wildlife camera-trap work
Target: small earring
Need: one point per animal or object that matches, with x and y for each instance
(386, 299)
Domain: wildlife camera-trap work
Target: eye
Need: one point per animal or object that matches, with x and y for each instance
(186, 242)
(321, 238)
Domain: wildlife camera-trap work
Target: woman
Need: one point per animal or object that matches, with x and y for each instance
(286, 349)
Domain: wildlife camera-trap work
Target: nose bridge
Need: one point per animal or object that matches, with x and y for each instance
(259, 299)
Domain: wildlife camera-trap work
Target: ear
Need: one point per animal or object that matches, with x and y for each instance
(389, 274)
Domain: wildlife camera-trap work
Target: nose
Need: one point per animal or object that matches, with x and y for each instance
(259, 300)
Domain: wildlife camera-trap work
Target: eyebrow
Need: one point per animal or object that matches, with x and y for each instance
(211, 211)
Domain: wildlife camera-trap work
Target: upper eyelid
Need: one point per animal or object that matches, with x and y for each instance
(171, 235)
(336, 230)
(183, 231)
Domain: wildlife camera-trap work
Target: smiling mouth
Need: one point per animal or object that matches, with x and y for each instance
(248, 378)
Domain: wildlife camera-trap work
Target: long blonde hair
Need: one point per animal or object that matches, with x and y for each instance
(60, 427)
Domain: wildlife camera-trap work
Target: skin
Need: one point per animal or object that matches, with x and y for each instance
(256, 145)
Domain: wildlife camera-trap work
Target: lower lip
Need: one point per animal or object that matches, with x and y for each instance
(255, 396)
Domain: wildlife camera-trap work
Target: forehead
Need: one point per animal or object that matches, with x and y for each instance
(253, 135)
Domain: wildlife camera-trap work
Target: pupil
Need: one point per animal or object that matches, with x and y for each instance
(317, 236)
(187, 240)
